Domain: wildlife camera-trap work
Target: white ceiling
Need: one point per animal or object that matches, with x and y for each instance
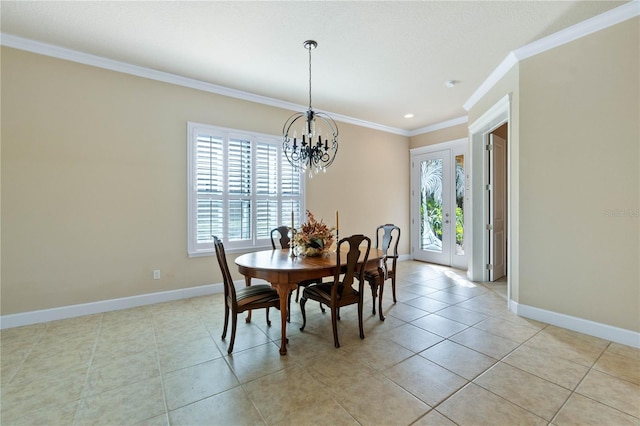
(375, 61)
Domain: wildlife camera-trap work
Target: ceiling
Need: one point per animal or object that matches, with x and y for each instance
(375, 61)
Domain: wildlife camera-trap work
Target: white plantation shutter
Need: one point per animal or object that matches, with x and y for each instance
(266, 173)
(290, 193)
(240, 187)
(239, 180)
(209, 187)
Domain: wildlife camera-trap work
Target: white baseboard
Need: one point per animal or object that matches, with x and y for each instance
(592, 328)
(46, 315)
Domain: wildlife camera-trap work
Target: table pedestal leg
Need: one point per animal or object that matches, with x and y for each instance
(283, 292)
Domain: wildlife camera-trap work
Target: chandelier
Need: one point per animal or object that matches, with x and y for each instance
(310, 138)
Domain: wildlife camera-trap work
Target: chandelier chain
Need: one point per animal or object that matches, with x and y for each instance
(309, 75)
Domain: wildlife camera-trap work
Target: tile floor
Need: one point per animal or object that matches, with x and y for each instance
(448, 353)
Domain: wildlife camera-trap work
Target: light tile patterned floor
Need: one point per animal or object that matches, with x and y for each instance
(448, 353)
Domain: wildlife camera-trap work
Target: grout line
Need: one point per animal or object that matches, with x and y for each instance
(160, 372)
(86, 379)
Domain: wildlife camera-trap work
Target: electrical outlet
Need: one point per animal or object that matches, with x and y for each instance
(156, 274)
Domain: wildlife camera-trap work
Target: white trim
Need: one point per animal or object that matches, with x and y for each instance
(582, 29)
(72, 311)
(456, 143)
(491, 81)
(40, 48)
(439, 126)
(477, 245)
(581, 325)
(490, 115)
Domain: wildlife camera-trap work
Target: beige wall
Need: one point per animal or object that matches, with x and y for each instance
(94, 181)
(579, 161)
(574, 149)
(438, 136)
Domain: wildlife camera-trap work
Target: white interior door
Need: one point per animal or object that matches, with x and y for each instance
(497, 207)
(439, 188)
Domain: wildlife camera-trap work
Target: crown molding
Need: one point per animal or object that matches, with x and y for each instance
(46, 49)
(582, 29)
(438, 126)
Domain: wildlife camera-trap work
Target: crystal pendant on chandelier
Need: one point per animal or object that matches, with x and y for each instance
(310, 138)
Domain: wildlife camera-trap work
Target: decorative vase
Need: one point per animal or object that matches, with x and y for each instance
(304, 250)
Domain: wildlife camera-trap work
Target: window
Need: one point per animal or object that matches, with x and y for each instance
(240, 187)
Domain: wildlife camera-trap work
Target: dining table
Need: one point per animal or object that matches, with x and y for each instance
(284, 271)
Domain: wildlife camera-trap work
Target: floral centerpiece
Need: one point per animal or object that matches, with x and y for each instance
(314, 238)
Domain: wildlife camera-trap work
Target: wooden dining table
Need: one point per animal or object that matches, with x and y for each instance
(284, 272)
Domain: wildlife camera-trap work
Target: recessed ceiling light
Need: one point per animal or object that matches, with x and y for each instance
(408, 116)
(450, 83)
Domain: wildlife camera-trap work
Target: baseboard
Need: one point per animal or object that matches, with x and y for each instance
(46, 315)
(592, 328)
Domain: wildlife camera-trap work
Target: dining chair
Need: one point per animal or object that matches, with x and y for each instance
(387, 237)
(281, 235)
(341, 292)
(245, 299)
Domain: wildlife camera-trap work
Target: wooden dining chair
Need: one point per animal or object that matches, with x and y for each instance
(247, 298)
(341, 292)
(387, 237)
(281, 235)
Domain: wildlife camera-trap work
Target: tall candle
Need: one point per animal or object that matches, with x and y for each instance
(292, 225)
(337, 223)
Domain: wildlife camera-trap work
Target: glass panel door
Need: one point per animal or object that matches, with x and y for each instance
(438, 200)
(434, 203)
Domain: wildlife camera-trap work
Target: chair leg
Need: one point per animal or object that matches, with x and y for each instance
(373, 283)
(268, 321)
(234, 322)
(334, 324)
(360, 324)
(297, 293)
(289, 307)
(381, 290)
(226, 322)
(393, 286)
(303, 301)
(321, 307)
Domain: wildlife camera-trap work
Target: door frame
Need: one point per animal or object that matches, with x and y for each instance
(454, 147)
(479, 131)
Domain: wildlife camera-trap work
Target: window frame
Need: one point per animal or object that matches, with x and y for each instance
(196, 248)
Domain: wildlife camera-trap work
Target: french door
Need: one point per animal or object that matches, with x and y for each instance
(438, 194)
